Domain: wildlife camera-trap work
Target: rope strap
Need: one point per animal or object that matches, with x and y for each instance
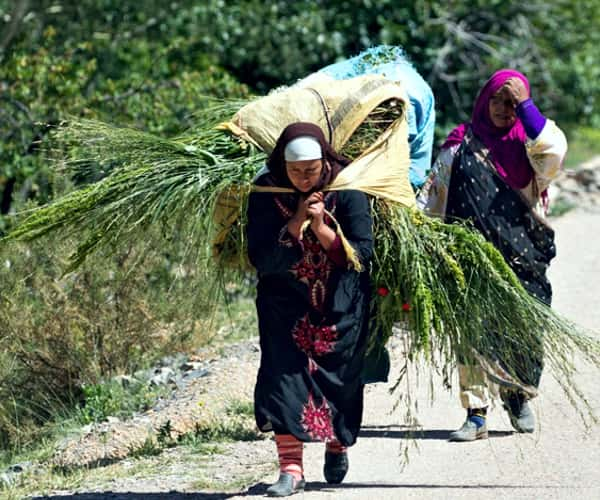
(351, 255)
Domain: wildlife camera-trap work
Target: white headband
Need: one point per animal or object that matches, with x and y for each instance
(304, 147)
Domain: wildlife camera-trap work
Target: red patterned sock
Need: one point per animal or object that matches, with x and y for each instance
(336, 447)
(289, 450)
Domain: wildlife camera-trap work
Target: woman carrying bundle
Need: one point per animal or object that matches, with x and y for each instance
(312, 306)
(494, 172)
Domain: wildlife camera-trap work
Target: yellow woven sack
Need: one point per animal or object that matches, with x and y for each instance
(227, 227)
(381, 170)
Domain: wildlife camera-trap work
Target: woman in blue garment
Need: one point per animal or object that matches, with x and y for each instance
(391, 62)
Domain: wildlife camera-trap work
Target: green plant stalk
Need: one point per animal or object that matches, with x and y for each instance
(448, 275)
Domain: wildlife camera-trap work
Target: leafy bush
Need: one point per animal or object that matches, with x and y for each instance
(108, 60)
(60, 336)
(150, 66)
(112, 399)
(455, 45)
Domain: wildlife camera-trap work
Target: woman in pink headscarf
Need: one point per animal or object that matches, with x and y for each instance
(494, 172)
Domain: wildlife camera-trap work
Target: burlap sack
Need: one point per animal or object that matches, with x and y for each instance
(381, 170)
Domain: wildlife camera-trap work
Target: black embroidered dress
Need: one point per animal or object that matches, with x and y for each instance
(313, 319)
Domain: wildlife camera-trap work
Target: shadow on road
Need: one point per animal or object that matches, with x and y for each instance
(143, 496)
(401, 432)
(260, 488)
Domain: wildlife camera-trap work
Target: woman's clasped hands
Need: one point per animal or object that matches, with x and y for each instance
(313, 207)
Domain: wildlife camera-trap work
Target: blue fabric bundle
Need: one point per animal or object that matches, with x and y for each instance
(391, 62)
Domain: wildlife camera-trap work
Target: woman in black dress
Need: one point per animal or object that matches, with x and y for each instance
(312, 305)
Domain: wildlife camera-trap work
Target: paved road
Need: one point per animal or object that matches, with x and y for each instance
(560, 460)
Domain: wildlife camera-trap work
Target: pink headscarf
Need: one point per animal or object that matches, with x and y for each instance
(506, 145)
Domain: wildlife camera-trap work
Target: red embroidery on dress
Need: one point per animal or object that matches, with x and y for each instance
(314, 340)
(286, 212)
(316, 420)
(317, 294)
(315, 267)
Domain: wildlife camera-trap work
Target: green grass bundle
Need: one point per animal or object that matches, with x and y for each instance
(377, 121)
(444, 281)
(451, 287)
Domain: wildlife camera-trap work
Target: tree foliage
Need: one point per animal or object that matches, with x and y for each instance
(149, 64)
(455, 45)
(106, 60)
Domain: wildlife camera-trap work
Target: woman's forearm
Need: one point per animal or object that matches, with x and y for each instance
(324, 234)
(533, 121)
(294, 225)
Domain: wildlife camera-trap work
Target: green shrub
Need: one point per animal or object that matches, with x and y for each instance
(584, 143)
(61, 337)
(113, 399)
(116, 61)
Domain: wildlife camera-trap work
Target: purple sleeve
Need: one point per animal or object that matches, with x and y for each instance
(337, 253)
(533, 121)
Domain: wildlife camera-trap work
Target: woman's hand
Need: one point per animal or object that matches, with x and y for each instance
(301, 209)
(313, 207)
(517, 90)
(295, 223)
(316, 209)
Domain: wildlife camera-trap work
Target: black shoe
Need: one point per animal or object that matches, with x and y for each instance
(285, 486)
(521, 416)
(335, 468)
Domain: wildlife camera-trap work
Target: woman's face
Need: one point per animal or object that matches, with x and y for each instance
(502, 109)
(304, 174)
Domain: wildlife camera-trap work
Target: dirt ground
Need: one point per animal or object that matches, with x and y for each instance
(560, 460)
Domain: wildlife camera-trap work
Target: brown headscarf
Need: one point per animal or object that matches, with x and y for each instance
(277, 175)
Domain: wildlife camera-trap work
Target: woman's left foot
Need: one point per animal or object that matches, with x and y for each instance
(519, 411)
(285, 486)
(336, 466)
